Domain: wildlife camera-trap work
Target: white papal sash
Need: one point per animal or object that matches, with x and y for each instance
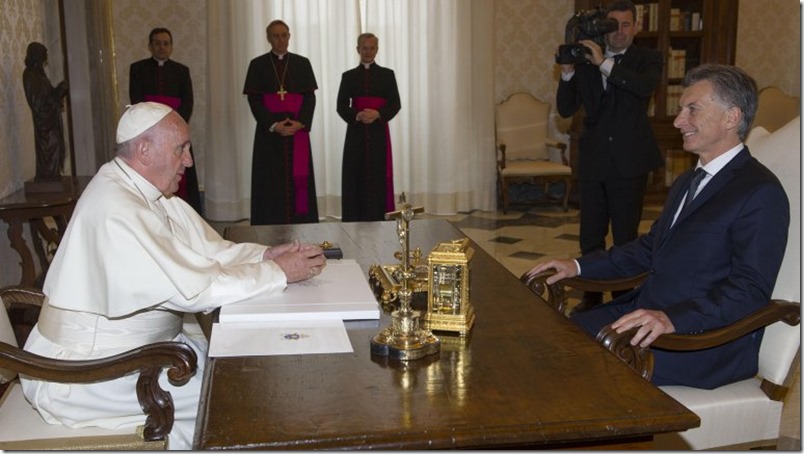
(98, 336)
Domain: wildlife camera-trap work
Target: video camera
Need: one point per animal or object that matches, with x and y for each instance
(591, 24)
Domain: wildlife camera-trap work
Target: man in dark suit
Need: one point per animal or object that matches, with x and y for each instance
(160, 79)
(711, 261)
(617, 148)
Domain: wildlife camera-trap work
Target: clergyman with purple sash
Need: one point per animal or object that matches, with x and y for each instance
(368, 98)
(280, 87)
(160, 79)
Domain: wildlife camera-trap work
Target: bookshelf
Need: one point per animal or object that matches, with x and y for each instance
(687, 33)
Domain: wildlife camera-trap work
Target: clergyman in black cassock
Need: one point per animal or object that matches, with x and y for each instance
(368, 98)
(280, 87)
(165, 81)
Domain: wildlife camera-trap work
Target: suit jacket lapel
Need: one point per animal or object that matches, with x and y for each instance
(712, 187)
(670, 208)
(716, 184)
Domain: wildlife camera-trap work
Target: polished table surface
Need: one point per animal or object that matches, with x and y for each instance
(524, 377)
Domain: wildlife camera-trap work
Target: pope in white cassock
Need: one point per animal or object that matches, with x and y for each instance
(133, 260)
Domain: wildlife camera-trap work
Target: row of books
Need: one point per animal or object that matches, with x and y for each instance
(685, 20)
(648, 18)
(671, 104)
(676, 63)
(649, 15)
(673, 97)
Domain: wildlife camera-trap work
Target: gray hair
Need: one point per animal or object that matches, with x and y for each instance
(733, 88)
(126, 149)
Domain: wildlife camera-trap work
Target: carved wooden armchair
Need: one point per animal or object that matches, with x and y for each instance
(21, 427)
(745, 414)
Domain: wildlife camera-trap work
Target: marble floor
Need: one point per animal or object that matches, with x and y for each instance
(528, 234)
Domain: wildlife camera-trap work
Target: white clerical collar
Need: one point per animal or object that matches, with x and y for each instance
(279, 56)
(367, 65)
(160, 62)
(145, 188)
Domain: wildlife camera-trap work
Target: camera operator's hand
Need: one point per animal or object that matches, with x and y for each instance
(566, 68)
(596, 53)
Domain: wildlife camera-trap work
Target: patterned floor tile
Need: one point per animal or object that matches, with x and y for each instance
(527, 255)
(567, 236)
(506, 239)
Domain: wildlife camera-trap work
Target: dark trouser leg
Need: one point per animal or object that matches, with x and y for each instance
(588, 301)
(594, 320)
(594, 215)
(625, 197)
(594, 227)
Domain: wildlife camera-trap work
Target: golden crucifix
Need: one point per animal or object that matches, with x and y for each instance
(405, 339)
(282, 92)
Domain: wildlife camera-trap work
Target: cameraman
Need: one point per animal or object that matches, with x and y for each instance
(617, 147)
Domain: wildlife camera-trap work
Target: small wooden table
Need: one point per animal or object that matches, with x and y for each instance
(526, 377)
(38, 210)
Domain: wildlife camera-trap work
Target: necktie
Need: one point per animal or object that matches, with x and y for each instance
(695, 181)
(616, 58)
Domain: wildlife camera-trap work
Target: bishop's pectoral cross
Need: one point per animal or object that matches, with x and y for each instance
(282, 92)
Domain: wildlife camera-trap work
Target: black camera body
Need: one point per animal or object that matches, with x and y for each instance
(590, 24)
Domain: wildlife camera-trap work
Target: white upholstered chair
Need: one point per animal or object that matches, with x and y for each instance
(22, 428)
(747, 414)
(522, 147)
(775, 109)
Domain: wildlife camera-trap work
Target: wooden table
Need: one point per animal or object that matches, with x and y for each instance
(47, 214)
(525, 377)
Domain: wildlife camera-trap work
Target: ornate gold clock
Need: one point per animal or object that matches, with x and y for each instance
(448, 301)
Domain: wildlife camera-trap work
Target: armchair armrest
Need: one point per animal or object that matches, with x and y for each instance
(22, 304)
(501, 156)
(641, 359)
(21, 295)
(556, 294)
(560, 146)
(148, 361)
(555, 143)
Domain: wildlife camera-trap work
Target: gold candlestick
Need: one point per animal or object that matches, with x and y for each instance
(405, 339)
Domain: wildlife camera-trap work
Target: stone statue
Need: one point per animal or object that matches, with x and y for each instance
(46, 103)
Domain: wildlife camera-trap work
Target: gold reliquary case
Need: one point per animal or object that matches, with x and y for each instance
(449, 306)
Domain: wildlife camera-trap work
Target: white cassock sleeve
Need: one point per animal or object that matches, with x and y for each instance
(119, 255)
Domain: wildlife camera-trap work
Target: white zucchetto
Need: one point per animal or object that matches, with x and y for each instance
(138, 118)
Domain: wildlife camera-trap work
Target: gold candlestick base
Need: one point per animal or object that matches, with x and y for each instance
(404, 340)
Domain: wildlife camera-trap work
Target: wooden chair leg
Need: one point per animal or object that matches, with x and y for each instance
(567, 188)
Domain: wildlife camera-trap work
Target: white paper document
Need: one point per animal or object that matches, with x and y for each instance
(299, 337)
(340, 292)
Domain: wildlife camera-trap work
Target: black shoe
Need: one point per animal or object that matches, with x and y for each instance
(589, 300)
